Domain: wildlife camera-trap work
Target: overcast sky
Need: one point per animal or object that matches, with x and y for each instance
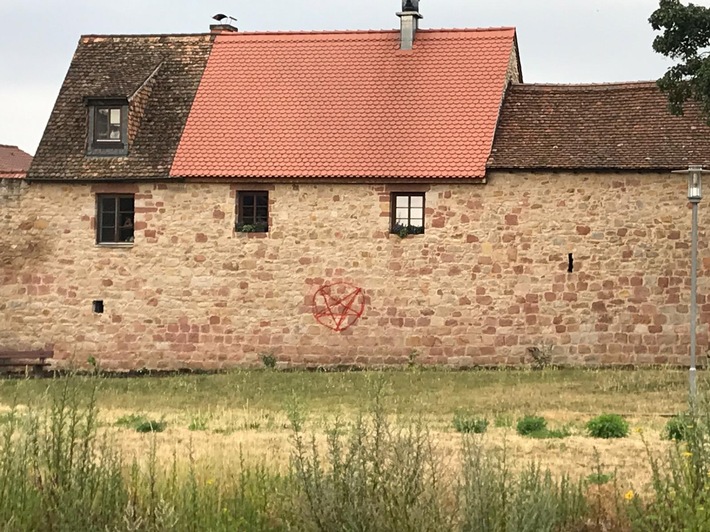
(561, 41)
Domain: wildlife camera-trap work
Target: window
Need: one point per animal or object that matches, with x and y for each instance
(115, 218)
(108, 127)
(407, 213)
(107, 124)
(253, 212)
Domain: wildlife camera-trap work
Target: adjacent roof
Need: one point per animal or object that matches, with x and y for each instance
(13, 162)
(347, 104)
(623, 126)
(118, 66)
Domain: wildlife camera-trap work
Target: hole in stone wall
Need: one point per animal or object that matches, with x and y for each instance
(98, 306)
(570, 264)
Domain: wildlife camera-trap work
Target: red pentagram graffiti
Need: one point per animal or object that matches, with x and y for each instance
(338, 306)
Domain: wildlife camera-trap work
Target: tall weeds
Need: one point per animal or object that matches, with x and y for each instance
(680, 497)
(58, 474)
(497, 498)
(372, 475)
(61, 471)
(55, 474)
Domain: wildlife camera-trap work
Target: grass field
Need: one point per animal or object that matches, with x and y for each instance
(269, 450)
(215, 415)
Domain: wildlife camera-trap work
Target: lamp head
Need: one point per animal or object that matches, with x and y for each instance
(695, 183)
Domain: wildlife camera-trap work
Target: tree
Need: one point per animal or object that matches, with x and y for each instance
(686, 40)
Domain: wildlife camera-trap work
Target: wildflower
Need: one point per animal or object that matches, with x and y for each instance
(629, 495)
(687, 454)
(638, 430)
(210, 482)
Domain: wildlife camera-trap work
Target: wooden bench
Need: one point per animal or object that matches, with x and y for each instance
(36, 359)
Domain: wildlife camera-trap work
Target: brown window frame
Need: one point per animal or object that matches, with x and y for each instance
(253, 223)
(121, 233)
(397, 228)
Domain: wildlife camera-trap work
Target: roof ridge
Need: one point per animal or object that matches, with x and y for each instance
(587, 86)
(9, 146)
(293, 32)
(355, 32)
(141, 35)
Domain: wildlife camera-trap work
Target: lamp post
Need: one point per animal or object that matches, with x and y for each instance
(695, 194)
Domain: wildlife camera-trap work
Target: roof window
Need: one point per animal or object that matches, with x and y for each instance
(108, 127)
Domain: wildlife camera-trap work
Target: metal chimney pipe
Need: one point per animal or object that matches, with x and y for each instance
(409, 23)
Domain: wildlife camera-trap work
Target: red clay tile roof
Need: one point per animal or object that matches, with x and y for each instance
(601, 127)
(347, 104)
(13, 162)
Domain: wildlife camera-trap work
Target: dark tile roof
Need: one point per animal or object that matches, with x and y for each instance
(13, 161)
(597, 127)
(118, 66)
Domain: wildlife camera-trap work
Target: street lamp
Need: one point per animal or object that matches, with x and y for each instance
(695, 194)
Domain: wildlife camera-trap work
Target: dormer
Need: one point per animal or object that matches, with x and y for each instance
(114, 120)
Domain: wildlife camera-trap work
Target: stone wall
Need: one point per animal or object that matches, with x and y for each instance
(488, 279)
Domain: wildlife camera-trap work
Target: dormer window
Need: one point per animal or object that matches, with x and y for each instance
(107, 124)
(108, 127)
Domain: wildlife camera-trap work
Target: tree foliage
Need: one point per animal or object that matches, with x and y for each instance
(685, 38)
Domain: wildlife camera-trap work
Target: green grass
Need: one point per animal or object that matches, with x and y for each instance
(440, 392)
(198, 422)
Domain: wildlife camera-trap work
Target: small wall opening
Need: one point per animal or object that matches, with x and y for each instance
(98, 306)
(570, 263)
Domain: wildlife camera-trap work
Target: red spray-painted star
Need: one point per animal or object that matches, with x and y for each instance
(338, 306)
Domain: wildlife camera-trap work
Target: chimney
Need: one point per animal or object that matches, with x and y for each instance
(409, 18)
(222, 26)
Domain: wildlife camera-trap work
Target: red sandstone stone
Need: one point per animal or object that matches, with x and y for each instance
(599, 306)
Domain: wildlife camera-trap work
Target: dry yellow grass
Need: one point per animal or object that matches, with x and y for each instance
(243, 414)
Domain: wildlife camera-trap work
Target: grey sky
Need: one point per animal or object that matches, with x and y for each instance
(561, 41)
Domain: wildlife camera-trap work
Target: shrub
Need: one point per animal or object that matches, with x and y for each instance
(530, 424)
(150, 425)
(608, 426)
(541, 356)
(467, 424)
(268, 359)
(130, 421)
(677, 428)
